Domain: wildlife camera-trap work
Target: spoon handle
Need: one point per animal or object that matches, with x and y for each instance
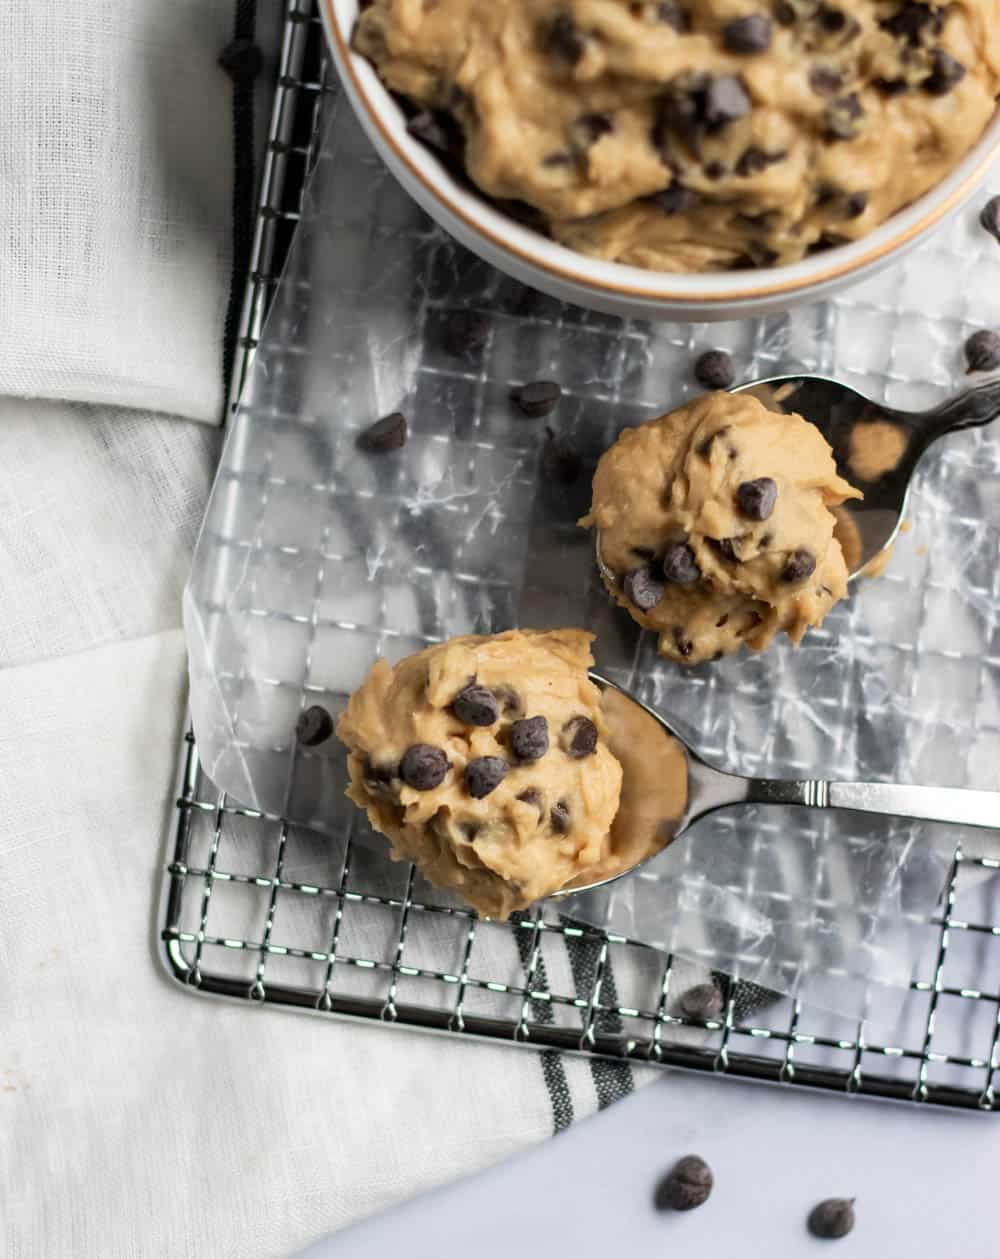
(931, 804)
(971, 409)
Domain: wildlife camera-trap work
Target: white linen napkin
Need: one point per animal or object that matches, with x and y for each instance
(137, 1119)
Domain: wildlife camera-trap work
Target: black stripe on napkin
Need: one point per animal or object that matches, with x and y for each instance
(612, 1080)
(553, 1071)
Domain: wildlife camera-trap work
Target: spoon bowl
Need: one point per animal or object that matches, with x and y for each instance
(651, 750)
(876, 448)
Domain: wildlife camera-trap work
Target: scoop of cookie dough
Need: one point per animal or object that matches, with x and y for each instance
(697, 135)
(484, 761)
(716, 526)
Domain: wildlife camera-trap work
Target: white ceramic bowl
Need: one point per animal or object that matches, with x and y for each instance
(610, 286)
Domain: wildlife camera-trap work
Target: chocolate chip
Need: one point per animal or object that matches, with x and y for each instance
(911, 20)
(890, 87)
(687, 1186)
(753, 160)
(465, 330)
(643, 589)
(799, 565)
(989, 217)
(842, 116)
(756, 499)
(314, 726)
(679, 564)
(824, 81)
(578, 738)
(561, 462)
(784, 14)
(673, 15)
(726, 100)
(242, 60)
(384, 435)
(532, 796)
(423, 767)
(484, 774)
(476, 706)
(945, 73)
(723, 620)
(529, 738)
(703, 1001)
(559, 817)
(724, 547)
(855, 205)
(683, 644)
(747, 34)
(588, 129)
(714, 369)
(831, 20)
(714, 170)
(982, 351)
(564, 39)
(537, 398)
(832, 1218)
(674, 199)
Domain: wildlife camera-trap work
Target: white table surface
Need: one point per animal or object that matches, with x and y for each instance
(925, 1180)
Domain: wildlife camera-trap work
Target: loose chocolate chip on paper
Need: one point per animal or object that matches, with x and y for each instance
(989, 217)
(578, 738)
(423, 767)
(465, 330)
(687, 1186)
(242, 60)
(484, 774)
(537, 397)
(833, 1218)
(389, 433)
(565, 39)
(559, 818)
(982, 351)
(679, 564)
(476, 706)
(799, 565)
(561, 462)
(529, 738)
(714, 369)
(747, 34)
(702, 1001)
(946, 73)
(314, 726)
(756, 499)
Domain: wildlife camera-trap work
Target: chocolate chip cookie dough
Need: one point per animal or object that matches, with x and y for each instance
(696, 135)
(716, 526)
(485, 761)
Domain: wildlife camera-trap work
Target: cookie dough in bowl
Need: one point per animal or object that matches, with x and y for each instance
(695, 135)
(485, 761)
(716, 526)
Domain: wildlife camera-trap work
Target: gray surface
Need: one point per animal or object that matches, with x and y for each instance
(588, 1192)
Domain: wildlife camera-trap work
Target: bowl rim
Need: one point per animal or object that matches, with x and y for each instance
(855, 256)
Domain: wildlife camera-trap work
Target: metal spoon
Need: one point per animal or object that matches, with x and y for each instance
(835, 409)
(709, 789)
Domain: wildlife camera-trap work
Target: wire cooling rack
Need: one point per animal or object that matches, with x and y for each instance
(258, 909)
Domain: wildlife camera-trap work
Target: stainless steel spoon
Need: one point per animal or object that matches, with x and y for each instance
(709, 789)
(835, 409)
